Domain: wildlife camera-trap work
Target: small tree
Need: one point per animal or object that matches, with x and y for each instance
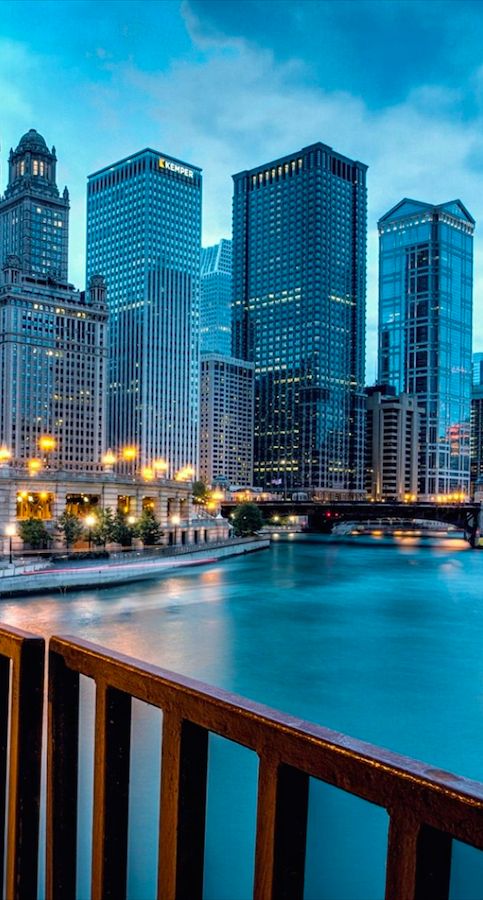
(122, 532)
(200, 493)
(149, 528)
(102, 531)
(247, 519)
(34, 533)
(70, 527)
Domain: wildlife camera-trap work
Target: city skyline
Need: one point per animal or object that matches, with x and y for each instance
(170, 97)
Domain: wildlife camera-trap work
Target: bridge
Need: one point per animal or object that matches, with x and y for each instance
(322, 516)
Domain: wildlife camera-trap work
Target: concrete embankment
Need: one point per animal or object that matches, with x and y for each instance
(138, 568)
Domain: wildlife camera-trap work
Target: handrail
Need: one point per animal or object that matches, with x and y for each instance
(427, 807)
(21, 703)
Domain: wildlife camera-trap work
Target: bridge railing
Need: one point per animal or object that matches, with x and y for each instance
(427, 808)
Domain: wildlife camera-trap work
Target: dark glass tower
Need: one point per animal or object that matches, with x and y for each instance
(215, 298)
(34, 218)
(299, 273)
(425, 322)
(144, 234)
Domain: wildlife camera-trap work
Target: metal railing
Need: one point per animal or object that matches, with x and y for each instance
(21, 703)
(427, 808)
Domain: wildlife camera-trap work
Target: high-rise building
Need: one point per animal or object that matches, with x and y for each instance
(34, 218)
(425, 322)
(144, 234)
(476, 430)
(226, 420)
(53, 338)
(477, 368)
(392, 440)
(299, 285)
(215, 298)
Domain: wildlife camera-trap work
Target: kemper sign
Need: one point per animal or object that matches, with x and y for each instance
(175, 167)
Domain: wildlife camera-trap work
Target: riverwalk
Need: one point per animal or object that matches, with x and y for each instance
(136, 566)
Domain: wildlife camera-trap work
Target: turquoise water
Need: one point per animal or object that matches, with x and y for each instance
(381, 642)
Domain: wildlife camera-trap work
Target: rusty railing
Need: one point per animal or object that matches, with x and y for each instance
(427, 808)
(21, 702)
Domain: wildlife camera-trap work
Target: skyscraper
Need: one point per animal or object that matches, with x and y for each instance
(425, 321)
(215, 298)
(34, 218)
(299, 272)
(53, 338)
(144, 233)
(226, 419)
(392, 444)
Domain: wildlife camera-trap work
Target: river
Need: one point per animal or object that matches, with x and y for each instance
(381, 641)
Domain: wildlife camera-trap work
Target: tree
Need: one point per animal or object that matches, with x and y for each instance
(102, 531)
(122, 532)
(34, 533)
(200, 493)
(70, 527)
(149, 528)
(247, 519)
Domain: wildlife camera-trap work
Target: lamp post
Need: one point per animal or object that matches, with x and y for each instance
(90, 522)
(10, 531)
(175, 520)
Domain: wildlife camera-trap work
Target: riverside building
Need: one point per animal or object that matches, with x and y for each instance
(392, 444)
(53, 344)
(144, 234)
(299, 286)
(425, 323)
(226, 420)
(215, 298)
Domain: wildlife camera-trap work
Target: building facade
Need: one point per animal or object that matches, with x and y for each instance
(53, 338)
(215, 298)
(53, 366)
(392, 440)
(34, 217)
(299, 282)
(226, 420)
(144, 234)
(425, 328)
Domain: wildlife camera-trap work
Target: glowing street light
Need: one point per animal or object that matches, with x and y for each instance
(148, 473)
(109, 459)
(160, 466)
(5, 455)
(90, 521)
(184, 474)
(129, 453)
(34, 465)
(47, 443)
(10, 531)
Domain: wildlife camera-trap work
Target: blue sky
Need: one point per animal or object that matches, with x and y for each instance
(227, 85)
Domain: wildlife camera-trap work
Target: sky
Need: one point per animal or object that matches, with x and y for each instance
(227, 85)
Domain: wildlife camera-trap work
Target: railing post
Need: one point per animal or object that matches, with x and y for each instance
(111, 793)
(418, 860)
(281, 832)
(62, 772)
(182, 809)
(24, 770)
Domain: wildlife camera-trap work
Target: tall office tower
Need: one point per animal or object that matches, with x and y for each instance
(226, 420)
(299, 286)
(476, 430)
(477, 364)
(425, 310)
(34, 218)
(215, 298)
(144, 234)
(392, 441)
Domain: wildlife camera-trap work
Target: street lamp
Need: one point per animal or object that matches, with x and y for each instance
(10, 531)
(47, 444)
(175, 520)
(5, 455)
(90, 522)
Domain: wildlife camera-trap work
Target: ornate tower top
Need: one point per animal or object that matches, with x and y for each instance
(32, 165)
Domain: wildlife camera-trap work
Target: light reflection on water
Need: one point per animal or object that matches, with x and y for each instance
(381, 641)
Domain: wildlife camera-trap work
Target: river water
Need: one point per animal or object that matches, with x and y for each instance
(383, 642)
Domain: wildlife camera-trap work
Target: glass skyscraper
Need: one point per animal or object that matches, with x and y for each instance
(299, 293)
(144, 234)
(215, 298)
(425, 322)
